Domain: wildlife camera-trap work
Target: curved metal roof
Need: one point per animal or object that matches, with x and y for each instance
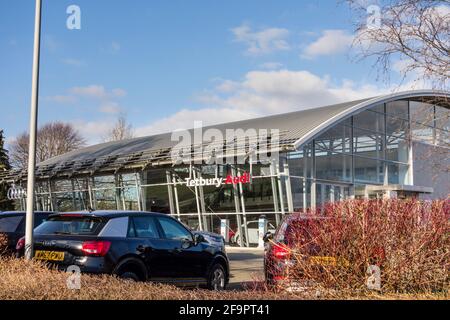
(292, 126)
(433, 96)
(296, 128)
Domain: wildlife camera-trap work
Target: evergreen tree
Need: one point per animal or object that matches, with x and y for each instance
(5, 204)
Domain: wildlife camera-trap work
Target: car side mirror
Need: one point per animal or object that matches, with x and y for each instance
(198, 238)
(268, 236)
(186, 243)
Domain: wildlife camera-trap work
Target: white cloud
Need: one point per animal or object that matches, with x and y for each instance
(93, 131)
(118, 93)
(73, 62)
(269, 92)
(258, 93)
(261, 42)
(262, 93)
(49, 43)
(62, 99)
(95, 91)
(329, 43)
(115, 46)
(227, 86)
(105, 99)
(271, 65)
(98, 92)
(184, 119)
(110, 107)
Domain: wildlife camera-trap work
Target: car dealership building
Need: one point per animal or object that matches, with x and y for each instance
(390, 146)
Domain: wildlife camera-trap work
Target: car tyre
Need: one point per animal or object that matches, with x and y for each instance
(217, 278)
(130, 276)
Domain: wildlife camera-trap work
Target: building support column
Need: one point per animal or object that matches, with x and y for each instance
(202, 204)
(305, 180)
(170, 191)
(138, 190)
(122, 193)
(244, 214)
(274, 193)
(38, 197)
(94, 196)
(175, 193)
(197, 200)
(280, 188)
(50, 195)
(287, 176)
(313, 181)
(74, 195)
(238, 210)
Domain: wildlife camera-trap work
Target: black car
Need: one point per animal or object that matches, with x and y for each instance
(140, 246)
(12, 224)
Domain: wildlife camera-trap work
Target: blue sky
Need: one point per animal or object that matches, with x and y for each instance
(167, 63)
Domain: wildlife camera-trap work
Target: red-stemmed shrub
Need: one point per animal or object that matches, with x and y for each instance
(408, 240)
(3, 243)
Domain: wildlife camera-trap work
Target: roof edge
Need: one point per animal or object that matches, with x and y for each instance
(366, 105)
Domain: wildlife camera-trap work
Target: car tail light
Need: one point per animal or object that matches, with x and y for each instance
(95, 248)
(279, 278)
(20, 244)
(280, 252)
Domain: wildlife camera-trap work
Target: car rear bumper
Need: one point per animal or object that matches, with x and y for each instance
(94, 265)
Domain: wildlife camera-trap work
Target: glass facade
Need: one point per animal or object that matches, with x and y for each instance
(370, 147)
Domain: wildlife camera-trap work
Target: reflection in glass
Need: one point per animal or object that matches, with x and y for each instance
(422, 113)
(397, 127)
(398, 109)
(336, 139)
(442, 118)
(368, 170)
(369, 120)
(397, 149)
(398, 174)
(337, 167)
(368, 144)
(422, 133)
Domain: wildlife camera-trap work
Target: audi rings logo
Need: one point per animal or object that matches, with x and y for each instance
(16, 193)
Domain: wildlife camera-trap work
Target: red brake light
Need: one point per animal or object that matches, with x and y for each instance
(280, 252)
(95, 248)
(20, 244)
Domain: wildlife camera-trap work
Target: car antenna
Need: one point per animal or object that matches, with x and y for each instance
(90, 209)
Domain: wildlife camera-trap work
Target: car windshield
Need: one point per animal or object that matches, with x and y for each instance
(71, 226)
(10, 224)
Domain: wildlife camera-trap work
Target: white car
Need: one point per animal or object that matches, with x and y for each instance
(253, 232)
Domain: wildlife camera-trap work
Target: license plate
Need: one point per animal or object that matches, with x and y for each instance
(49, 255)
(324, 261)
(329, 261)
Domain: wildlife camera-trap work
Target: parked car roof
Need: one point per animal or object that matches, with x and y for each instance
(9, 213)
(108, 213)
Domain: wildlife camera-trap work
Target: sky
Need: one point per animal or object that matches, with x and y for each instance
(166, 64)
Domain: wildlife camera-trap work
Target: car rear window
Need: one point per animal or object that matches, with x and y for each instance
(71, 226)
(10, 224)
(38, 219)
(296, 231)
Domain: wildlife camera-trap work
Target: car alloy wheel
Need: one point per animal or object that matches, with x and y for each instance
(218, 279)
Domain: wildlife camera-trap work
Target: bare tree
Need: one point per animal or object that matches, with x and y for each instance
(414, 33)
(122, 130)
(53, 139)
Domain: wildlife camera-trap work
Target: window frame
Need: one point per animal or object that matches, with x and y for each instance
(163, 234)
(135, 235)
